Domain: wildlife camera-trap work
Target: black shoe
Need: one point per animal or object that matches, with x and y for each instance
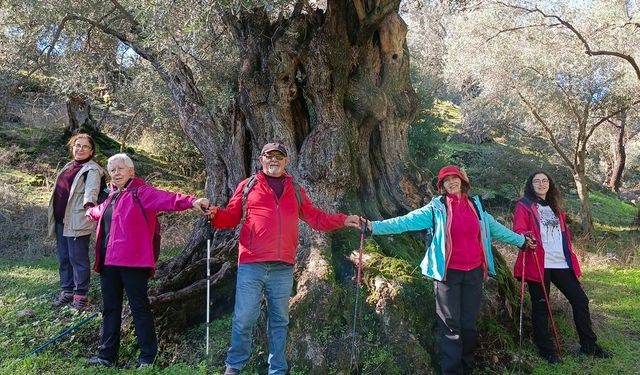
(552, 358)
(231, 371)
(594, 351)
(97, 361)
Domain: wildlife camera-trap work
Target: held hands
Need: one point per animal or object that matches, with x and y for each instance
(212, 210)
(201, 204)
(530, 242)
(87, 214)
(352, 221)
(355, 221)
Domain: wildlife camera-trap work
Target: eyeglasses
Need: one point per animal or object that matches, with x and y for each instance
(540, 182)
(278, 157)
(82, 147)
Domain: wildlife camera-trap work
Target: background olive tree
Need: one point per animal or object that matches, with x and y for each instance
(533, 73)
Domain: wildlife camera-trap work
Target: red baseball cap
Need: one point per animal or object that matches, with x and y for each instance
(451, 170)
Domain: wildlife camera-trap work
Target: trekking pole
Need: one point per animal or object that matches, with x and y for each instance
(208, 285)
(64, 333)
(520, 334)
(363, 232)
(546, 300)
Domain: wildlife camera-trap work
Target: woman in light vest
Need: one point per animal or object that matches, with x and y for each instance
(77, 188)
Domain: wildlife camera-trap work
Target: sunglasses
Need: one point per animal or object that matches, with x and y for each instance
(278, 156)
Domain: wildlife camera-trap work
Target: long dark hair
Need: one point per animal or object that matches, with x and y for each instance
(553, 198)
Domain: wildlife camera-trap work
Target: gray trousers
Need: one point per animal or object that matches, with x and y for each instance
(73, 257)
(457, 306)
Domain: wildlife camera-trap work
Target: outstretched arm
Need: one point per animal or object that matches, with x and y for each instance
(419, 219)
(502, 233)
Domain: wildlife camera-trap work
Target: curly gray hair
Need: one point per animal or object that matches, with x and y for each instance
(124, 158)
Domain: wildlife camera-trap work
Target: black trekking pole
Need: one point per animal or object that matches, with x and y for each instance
(63, 334)
(363, 232)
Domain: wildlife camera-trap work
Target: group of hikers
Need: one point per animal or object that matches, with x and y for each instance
(268, 206)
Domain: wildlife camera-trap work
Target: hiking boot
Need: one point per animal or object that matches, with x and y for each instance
(62, 299)
(552, 358)
(97, 361)
(594, 351)
(143, 365)
(80, 302)
(231, 371)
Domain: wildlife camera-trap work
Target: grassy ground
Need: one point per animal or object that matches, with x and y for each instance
(27, 322)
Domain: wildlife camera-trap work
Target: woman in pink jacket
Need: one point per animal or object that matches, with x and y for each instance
(125, 255)
(540, 213)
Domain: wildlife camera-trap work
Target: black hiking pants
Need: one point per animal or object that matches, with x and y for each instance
(457, 306)
(114, 281)
(565, 280)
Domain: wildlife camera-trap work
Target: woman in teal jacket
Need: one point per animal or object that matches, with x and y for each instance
(459, 260)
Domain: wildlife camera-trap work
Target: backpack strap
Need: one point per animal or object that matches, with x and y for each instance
(251, 183)
(296, 189)
(134, 193)
(479, 207)
(245, 193)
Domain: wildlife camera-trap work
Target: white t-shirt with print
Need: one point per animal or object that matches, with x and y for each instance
(551, 238)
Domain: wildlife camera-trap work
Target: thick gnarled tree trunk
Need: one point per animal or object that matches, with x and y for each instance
(334, 87)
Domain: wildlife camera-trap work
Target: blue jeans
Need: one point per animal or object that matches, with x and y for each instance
(274, 280)
(73, 258)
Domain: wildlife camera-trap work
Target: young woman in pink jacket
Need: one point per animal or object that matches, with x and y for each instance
(540, 213)
(125, 255)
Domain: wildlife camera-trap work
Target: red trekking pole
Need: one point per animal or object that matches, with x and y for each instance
(524, 256)
(546, 300)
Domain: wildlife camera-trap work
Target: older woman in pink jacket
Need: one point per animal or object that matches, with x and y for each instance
(125, 255)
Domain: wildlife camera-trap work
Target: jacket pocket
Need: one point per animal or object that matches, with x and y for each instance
(79, 222)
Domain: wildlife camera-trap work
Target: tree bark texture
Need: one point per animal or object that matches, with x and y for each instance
(79, 114)
(618, 153)
(586, 213)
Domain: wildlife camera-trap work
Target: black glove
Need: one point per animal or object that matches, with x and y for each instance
(364, 227)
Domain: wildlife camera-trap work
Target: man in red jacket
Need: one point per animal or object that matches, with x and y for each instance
(267, 251)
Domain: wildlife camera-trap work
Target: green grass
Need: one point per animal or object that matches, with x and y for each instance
(615, 311)
(608, 210)
(27, 321)
(30, 285)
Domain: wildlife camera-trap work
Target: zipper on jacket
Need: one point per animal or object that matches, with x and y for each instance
(279, 225)
(485, 262)
(447, 238)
